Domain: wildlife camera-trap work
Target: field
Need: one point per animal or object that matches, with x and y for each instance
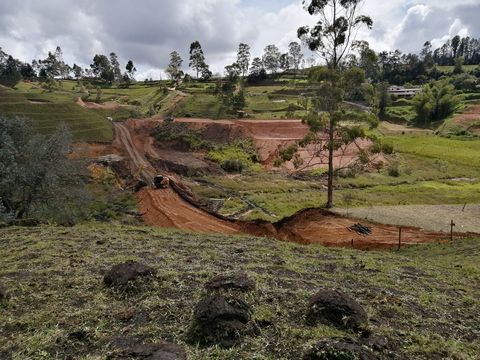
(422, 301)
(86, 125)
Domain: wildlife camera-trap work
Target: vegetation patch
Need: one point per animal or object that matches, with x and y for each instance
(404, 291)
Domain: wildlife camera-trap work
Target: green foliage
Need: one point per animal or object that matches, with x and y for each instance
(436, 102)
(394, 169)
(236, 157)
(37, 180)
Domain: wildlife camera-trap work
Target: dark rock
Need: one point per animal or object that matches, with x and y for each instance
(220, 320)
(80, 335)
(375, 342)
(238, 281)
(4, 296)
(139, 185)
(155, 352)
(121, 274)
(338, 349)
(331, 307)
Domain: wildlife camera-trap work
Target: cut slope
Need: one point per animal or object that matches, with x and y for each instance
(172, 208)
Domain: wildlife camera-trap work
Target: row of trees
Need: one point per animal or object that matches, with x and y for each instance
(104, 68)
(271, 61)
(467, 48)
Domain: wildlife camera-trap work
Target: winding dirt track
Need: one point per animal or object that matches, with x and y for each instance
(174, 208)
(165, 207)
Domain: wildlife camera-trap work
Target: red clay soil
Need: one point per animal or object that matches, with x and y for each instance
(270, 137)
(175, 208)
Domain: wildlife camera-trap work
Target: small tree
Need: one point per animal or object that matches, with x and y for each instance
(197, 58)
(243, 58)
(459, 61)
(437, 101)
(332, 38)
(174, 69)
(257, 71)
(37, 179)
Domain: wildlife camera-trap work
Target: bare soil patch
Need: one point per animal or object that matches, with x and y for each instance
(175, 207)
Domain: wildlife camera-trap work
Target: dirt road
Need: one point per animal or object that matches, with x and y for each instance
(429, 217)
(164, 207)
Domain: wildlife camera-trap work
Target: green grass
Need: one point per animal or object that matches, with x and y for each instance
(423, 299)
(199, 106)
(85, 124)
(451, 150)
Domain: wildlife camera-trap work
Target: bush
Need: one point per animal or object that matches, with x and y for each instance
(236, 157)
(37, 179)
(394, 169)
(436, 102)
(233, 165)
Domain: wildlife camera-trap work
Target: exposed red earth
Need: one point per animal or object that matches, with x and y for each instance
(175, 207)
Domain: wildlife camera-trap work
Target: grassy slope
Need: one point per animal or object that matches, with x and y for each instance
(85, 124)
(424, 299)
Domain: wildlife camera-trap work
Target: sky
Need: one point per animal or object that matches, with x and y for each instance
(146, 31)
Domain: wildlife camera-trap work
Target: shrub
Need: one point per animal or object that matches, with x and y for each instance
(394, 169)
(37, 179)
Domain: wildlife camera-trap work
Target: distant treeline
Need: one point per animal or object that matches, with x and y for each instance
(394, 67)
(468, 48)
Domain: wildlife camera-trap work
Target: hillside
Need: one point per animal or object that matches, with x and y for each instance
(422, 302)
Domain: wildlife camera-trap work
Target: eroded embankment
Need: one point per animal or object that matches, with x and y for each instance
(175, 207)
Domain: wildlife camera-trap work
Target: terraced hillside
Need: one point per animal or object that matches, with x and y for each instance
(85, 124)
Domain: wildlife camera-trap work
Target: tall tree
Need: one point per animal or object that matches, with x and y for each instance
(131, 69)
(295, 51)
(174, 69)
(197, 58)
(243, 58)
(271, 58)
(102, 68)
(332, 38)
(10, 74)
(117, 73)
(285, 61)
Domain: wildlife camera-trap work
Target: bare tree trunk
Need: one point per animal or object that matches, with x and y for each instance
(331, 133)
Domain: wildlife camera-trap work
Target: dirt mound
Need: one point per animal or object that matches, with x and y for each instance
(335, 349)
(238, 281)
(332, 307)
(318, 226)
(220, 320)
(122, 274)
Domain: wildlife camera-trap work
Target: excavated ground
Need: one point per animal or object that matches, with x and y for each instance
(175, 207)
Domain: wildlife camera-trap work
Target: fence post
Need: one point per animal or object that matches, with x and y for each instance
(452, 225)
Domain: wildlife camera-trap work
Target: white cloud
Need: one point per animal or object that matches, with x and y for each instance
(146, 31)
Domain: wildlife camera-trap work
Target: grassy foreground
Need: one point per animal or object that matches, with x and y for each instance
(425, 300)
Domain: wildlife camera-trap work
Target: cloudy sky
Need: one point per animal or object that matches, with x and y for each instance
(146, 31)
